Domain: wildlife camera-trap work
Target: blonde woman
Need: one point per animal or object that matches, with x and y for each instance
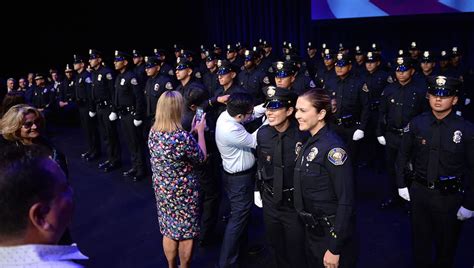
(174, 155)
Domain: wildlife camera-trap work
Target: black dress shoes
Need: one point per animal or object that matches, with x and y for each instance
(85, 155)
(129, 173)
(104, 164)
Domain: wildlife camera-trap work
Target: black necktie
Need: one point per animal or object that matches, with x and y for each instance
(278, 169)
(433, 158)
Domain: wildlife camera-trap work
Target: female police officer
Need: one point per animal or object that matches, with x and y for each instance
(324, 188)
(277, 145)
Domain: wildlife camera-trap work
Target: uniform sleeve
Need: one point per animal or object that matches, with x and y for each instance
(364, 104)
(383, 109)
(404, 155)
(192, 150)
(88, 91)
(140, 103)
(468, 201)
(341, 174)
(62, 90)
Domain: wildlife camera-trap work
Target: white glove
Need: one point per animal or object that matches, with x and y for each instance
(464, 214)
(358, 134)
(467, 101)
(403, 193)
(137, 122)
(382, 140)
(257, 199)
(113, 116)
(91, 114)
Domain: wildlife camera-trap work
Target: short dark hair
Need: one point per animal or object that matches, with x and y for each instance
(321, 100)
(239, 103)
(25, 179)
(196, 96)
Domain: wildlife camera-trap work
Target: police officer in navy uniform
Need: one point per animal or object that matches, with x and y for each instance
(166, 69)
(139, 69)
(154, 87)
(268, 56)
(129, 103)
(359, 62)
(285, 74)
(82, 97)
(102, 92)
(67, 105)
(324, 186)
(44, 96)
(185, 75)
(189, 55)
(233, 56)
(210, 78)
(440, 146)
(277, 146)
(326, 73)
(313, 61)
(400, 102)
(351, 103)
(415, 55)
(428, 64)
(303, 81)
(251, 78)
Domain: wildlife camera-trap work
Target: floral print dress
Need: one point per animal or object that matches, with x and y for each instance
(176, 186)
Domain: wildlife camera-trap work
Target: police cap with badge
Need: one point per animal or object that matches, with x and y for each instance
(210, 56)
(328, 54)
(284, 68)
(231, 48)
(136, 54)
(152, 61)
(443, 86)
(250, 55)
(427, 57)
(277, 98)
(225, 67)
(68, 69)
(39, 76)
(94, 54)
(120, 56)
(372, 56)
(403, 64)
(342, 59)
(358, 51)
(78, 59)
(183, 63)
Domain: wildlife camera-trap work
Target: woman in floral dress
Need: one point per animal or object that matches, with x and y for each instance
(174, 154)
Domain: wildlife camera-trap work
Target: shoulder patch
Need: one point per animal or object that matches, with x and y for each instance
(390, 79)
(109, 76)
(407, 128)
(88, 80)
(198, 75)
(169, 86)
(337, 156)
(134, 81)
(270, 70)
(171, 72)
(365, 88)
(312, 84)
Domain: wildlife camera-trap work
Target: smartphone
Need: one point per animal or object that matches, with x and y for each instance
(199, 113)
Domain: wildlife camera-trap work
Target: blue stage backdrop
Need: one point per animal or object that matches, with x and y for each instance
(341, 9)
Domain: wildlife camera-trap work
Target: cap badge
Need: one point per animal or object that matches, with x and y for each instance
(440, 81)
(271, 91)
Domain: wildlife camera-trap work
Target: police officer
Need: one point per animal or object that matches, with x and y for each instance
(324, 186)
(43, 96)
(67, 106)
(268, 56)
(233, 57)
(166, 69)
(184, 74)
(129, 102)
(415, 53)
(210, 79)
(155, 86)
(277, 146)
(139, 68)
(285, 74)
(351, 104)
(400, 102)
(327, 72)
(428, 64)
(82, 97)
(440, 145)
(313, 61)
(102, 93)
(359, 64)
(189, 55)
(303, 81)
(444, 68)
(251, 78)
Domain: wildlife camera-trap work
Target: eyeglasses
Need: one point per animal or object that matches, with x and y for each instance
(29, 124)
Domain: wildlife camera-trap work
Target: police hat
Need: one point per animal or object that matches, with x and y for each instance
(277, 97)
(444, 56)
(151, 61)
(226, 67)
(39, 76)
(328, 54)
(136, 53)
(183, 63)
(402, 53)
(341, 47)
(187, 53)
(231, 48)
(372, 56)
(375, 47)
(94, 54)
(443, 86)
(455, 52)
(68, 69)
(311, 45)
(203, 49)
(78, 59)
(413, 46)
(176, 48)
(427, 57)
(121, 56)
(250, 55)
(358, 51)
(403, 64)
(284, 68)
(342, 59)
(210, 56)
(266, 44)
